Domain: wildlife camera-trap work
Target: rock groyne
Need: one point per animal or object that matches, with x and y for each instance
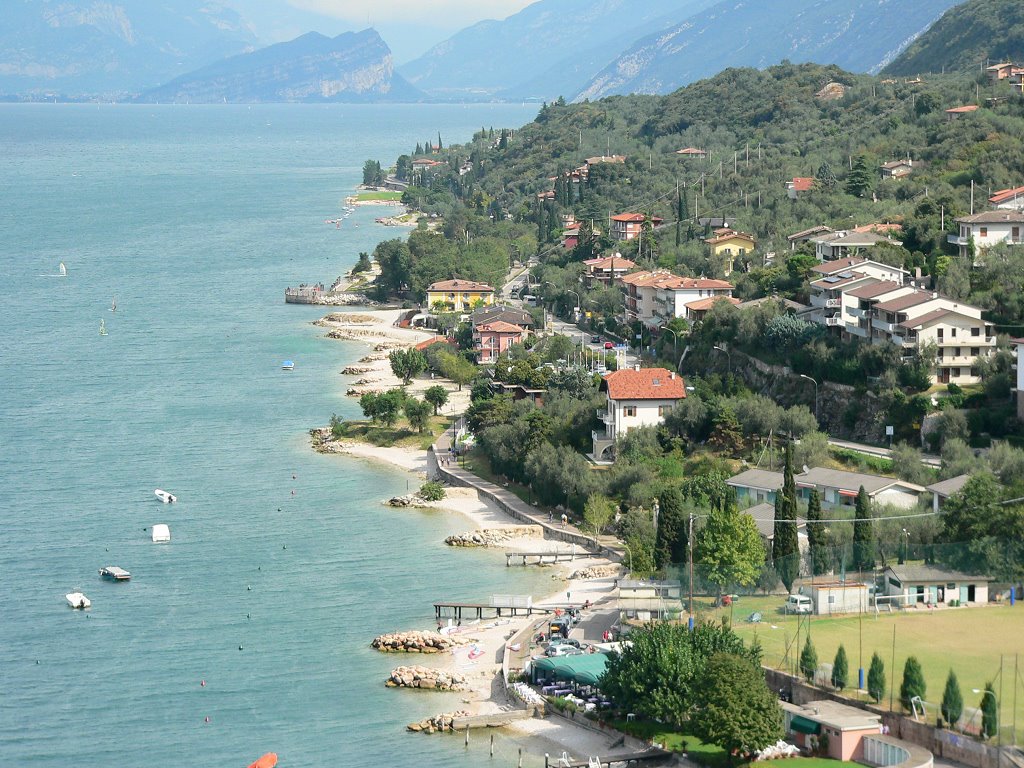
(495, 537)
(426, 678)
(417, 642)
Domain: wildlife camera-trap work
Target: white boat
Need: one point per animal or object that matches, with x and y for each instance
(288, 365)
(161, 532)
(113, 304)
(103, 328)
(164, 496)
(63, 270)
(78, 600)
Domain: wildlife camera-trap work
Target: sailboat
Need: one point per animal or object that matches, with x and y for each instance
(63, 270)
(103, 328)
(113, 304)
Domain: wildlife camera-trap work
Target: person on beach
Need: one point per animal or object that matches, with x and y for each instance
(564, 520)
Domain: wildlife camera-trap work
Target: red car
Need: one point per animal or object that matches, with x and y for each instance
(609, 345)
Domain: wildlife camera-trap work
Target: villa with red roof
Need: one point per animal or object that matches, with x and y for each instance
(637, 397)
(957, 112)
(607, 269)
(1009, 199)
(799, 184)
(627, 226)
(655, 298)
(493, 339)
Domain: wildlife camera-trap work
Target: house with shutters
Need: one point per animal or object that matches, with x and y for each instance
(988, 228)
(637, 397)
(655, 298)
(607, 269)
(627, 226)
(459, 295)
(1008, 199)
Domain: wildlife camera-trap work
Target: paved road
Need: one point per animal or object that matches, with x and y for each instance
(874, 450)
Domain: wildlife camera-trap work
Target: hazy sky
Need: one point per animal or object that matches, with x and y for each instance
(409, 27)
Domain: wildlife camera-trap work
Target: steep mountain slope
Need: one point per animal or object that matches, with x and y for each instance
(89, 47)
(354, 66)
(966, 35)
(858, 35)
(549, 37)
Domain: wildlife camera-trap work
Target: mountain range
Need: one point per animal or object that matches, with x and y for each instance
(354, 66)
(112, 48)
(202, 50)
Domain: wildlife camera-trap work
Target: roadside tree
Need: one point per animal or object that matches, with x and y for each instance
(437, 396)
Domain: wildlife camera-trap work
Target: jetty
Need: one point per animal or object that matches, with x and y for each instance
(304, 294)
(498, 606)
(541, 558)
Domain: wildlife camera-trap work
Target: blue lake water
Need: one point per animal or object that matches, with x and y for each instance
(283, 564)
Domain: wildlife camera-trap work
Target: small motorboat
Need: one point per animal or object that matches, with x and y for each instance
(287, 365)
(114, 573)
(161, 532)
(78, 600)
(164, 496)
(268, 760)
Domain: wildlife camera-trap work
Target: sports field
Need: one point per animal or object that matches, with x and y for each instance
(970, 641)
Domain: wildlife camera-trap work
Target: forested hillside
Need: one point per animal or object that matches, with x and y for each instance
(965, 38)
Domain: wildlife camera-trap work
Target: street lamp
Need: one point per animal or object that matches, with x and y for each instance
(815, 383)
(728, 354)
(675, 339)
(906, 546)
(630, 553)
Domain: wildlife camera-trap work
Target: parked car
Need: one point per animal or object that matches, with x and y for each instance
(595, 339)
(563, 650)
(609, 345)
(564, 641)
(798, 604)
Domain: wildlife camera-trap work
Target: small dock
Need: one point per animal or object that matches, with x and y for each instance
(636, 758)
(538, 558)
(493, 720)
(304, 294)
(498, 606)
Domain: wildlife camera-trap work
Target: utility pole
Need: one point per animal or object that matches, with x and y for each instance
(689, 539)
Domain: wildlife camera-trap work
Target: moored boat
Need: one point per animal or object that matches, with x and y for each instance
(164, 496)
(114, 573)
(288, 365)
(78, 600)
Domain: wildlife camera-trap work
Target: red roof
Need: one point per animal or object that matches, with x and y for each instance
(839, 265)
(1017, 341)
(431, 342)
(645, 384)
(702, 304)
(691, 151)
(803, 183)
(962, 110)
(500, 326)
(610, 262)
(1006, 194)
(634, 217)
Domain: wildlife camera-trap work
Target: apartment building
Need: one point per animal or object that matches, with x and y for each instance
(657, 297)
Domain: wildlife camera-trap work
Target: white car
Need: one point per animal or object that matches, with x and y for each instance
(798, 604)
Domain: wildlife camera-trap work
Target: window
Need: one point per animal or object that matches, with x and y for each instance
(831, 599)
(629, 410)
(664, 410)
(983, 232)
(1016, 233)
(952, 332)
(975, 351)
(975, 331)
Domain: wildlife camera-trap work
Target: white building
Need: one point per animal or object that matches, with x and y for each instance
(837, 597)
(637, 397)
(988, 228)
(929, 585)
(1008, 199)
(872, 301)
(836, 487)
(844, 243)
(655, 298)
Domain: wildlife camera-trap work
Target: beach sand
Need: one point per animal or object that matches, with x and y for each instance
(486, 694)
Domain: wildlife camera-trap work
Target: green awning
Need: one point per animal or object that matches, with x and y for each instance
(803, 725)
(584, 669)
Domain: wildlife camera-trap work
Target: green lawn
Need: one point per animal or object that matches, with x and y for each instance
(970, 641)
(378, 196)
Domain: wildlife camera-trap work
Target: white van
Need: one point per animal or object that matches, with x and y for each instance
(799, 604)
(529, 300)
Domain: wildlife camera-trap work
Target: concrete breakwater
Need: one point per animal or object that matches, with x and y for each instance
(442, 722)
(598, 572)
(426, 678)
(494, 537)
(417, 642)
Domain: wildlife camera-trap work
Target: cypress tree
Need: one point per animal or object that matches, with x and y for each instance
(785, 544)
(989, 712)
(671, 543)
(863, 533)
(858, 182)
(808, 660)
(817, 537)
(913, 685)
(439, 145)
(418, 150)
(952, 700)
(876, 678)
(840, 669)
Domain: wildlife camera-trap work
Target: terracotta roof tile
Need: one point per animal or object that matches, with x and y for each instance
(645, 384)
(460, 285)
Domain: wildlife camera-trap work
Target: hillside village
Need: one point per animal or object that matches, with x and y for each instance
(766, 332)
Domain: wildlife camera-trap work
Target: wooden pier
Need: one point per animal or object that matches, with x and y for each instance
(541, 557)
(476, 610)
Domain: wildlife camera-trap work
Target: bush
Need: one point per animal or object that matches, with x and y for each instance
(432, 491)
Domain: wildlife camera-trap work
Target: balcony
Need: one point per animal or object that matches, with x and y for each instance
(833, 321)
(958, 240)
(833, 303)
(605, 417)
